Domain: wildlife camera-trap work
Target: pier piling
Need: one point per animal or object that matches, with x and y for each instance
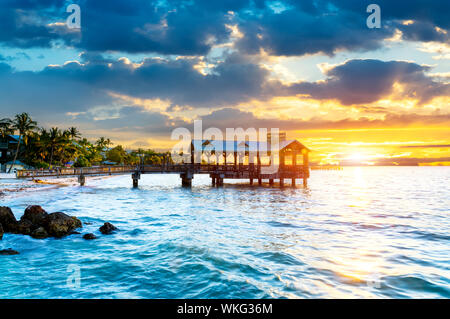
(81, 179)
(186, 179)
(136, 176)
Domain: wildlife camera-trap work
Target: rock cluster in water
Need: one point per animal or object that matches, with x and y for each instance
(37, 223)
(8, 252)
(107, 228)
(89, 236)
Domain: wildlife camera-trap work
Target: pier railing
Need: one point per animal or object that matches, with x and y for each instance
(59, 172)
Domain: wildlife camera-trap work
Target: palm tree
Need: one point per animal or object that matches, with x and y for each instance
(53, 139)
(6, 127)
(25, 125)
(73, 133)
(102, 143)
(42, 143)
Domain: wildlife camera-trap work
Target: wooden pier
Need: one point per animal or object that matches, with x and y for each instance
(243, 165)
(217, 173)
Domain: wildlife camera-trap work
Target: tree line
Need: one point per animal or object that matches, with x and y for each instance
(47, 148)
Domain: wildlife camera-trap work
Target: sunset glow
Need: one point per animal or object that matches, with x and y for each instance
(376, 97)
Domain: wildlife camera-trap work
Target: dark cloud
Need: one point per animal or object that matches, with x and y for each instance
(192, 27)
(167, 27)
(133, 119)
(75, 87)
(427, 15)
(28, 24)
(173, 27)
(365, 81)
(96, 82)
(434, 12)
(231, 118)
(297, 32)
(423, 31)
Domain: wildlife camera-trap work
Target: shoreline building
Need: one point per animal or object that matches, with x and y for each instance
(8, 147)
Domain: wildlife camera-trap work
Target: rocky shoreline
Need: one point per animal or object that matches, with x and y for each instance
(39, 224)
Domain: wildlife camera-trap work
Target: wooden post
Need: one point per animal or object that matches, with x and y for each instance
(258, 162)
(260, 181)
(186, 179)
(271, 181)
(136, 176)
(281, 182)
(82, 180)
(213, 181)
(305, 167)
(251, 181)
(293, 182)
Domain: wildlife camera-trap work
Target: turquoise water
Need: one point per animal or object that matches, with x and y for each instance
(359, 232)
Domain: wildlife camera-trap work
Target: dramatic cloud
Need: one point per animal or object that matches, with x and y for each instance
(435, 12)
(182, 59)
(194, 27)
(228, 117)
(75, 86)
(298, 32)
(99, 83)
(28, 24)
(366, 81)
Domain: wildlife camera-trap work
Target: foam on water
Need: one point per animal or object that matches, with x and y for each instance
(359, 232)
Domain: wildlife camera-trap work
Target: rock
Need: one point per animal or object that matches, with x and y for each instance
(39, 233)
(89, 236)
(1, 232)
(9, 251)
(24, 227)
(60, 224)
(77, 222)
(36, 215)
(8, 220)
(107, 228)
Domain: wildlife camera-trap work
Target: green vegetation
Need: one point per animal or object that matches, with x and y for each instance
(43, 148)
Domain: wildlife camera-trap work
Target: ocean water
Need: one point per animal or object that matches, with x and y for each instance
(377, 232)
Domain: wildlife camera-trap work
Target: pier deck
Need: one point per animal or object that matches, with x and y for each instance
(186, 171)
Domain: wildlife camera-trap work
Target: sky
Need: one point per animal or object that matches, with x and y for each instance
(136, 70)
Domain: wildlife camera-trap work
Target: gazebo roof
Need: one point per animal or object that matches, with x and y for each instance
(247, 146)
